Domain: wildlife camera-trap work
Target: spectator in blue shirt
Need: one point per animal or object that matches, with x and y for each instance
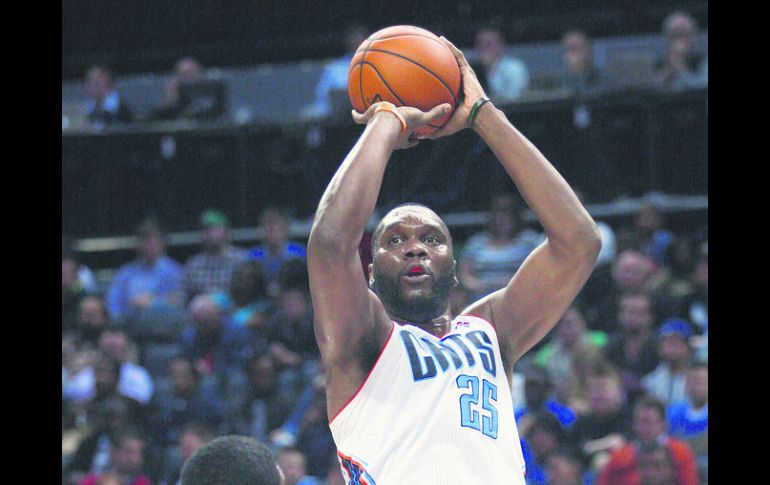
(688, 419)
(153, 279)
(276, 249)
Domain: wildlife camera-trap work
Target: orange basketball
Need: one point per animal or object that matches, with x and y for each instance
(408, 66)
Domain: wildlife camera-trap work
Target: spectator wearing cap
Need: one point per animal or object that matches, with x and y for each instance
(667, 381)
(211, 270)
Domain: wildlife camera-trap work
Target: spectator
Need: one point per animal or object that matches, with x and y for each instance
(570, 336)
(92, 456)
(216, 344)
(655, 465)
(490, 258)
(232, 460)
(93, 320)
(573, 391)
(667, 381)
(293, 463)
(538, 441)
(632, 272)
(681, 66)
(127, 460)
(633, 348)
(688, 419)
(264, 405)
(676, 282)
(581, 75)
(212, 269)
(194, 436)
(276, 249)
(564, 466)
(85, 275)
(134, 382)
(290, 329)
(503, 77)
(251, 305)
(539, 398)
(652, 236)
(333, 82)
(186, 401)
(607, 424)
(152, 280)
(694, 306)
(72, 291)
(649, 430)
(105, 107)
(187, 70)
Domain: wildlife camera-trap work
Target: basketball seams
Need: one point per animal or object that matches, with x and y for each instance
(443, 83)
(385, 82)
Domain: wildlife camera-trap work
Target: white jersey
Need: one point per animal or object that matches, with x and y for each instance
(432, 411)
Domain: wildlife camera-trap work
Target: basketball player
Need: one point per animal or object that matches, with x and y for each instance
(232, 460)
(414, 396)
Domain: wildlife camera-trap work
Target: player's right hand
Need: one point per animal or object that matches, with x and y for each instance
(413, 117)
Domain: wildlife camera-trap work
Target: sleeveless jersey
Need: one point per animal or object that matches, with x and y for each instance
(432, 411)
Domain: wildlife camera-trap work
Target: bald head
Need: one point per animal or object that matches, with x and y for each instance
(409, 211)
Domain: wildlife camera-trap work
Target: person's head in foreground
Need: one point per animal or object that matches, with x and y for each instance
(413, 266)
(232, 460)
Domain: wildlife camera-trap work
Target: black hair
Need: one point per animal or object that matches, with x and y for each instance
(231, 460)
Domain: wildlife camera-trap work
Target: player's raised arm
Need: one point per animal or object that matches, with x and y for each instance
(551, 277)
(347, 315)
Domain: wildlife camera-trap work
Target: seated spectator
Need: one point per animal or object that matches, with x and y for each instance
(681, 66)
(72, 291)
(580, 74)
(667, 381)
(293, 463)
(656, 467)
(105, 107)
(211, 270)
(504, 77)
(564, 466)
(649, 430)
(291, 336)
(632, 348)
(539, 440)
(573, 391)
(607, 424)
(216, 344)
(263, 405)
(177, 104)
(92, 455)
(251, 304)
(186, 401)
(539, 398)
(276, 249)
(652, 237)
(334, 77)
(675, 283)
(152, 279)
(688, 419)
(490, 258)
(694, 306)
(93, 320)
(570, 335)
(632, 272)
(127, 460)
(134, 382)
(194, 436)
(86, 277)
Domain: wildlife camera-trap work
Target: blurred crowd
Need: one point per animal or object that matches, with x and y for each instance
(170, 354)
(189, 92)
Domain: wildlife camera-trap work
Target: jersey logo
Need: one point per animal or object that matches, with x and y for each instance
(354, 472)
(426, 358)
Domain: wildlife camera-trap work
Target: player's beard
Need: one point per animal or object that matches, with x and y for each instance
(416, 309)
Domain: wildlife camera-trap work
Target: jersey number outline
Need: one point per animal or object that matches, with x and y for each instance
(470, 417)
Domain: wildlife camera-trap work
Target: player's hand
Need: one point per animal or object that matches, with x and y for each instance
(413, 117)
(472, 91)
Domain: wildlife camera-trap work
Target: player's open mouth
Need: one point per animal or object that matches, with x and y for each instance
(416, 273)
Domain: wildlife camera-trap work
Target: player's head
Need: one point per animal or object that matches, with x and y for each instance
(413, 265)
(231, 460)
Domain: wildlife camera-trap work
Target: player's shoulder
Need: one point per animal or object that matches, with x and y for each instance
(471, 321)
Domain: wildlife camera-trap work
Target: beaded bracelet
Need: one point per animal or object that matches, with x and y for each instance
(475, 109)
(391, 109)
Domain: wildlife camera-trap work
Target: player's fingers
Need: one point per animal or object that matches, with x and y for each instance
(461, 60)
(363, 118)
(437, 112)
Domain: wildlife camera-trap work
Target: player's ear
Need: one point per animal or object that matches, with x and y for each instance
(371, 275)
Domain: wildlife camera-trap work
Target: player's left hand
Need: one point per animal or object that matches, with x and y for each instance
(472, 91)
